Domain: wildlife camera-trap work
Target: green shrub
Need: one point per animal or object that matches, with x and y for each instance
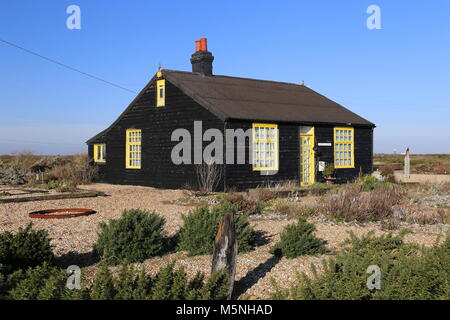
(167, 284)
(367, 182)
(217, 286)
(408, 272)
(103, 287)
(200, 227)
(298, 239)
(134, 237)
(329, 170)
(43, 282)
(26, 248)
(59, 185)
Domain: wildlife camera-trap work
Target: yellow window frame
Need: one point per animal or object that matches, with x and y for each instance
(133, 150)
(161, 93)
(344, 147)
(312, 155)
(100, 152)
(266, 141)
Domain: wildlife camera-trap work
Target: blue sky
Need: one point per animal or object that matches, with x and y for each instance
(397, 77)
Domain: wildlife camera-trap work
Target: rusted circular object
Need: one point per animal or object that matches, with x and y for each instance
(60, 213)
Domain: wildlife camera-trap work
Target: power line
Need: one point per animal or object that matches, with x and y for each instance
(66, 66)
(40, 142)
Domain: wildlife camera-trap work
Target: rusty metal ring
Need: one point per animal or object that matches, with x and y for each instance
(73, 212)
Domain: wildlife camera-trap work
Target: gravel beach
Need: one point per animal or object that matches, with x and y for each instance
(73, 238)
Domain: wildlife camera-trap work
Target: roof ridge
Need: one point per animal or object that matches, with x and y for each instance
(233, 77)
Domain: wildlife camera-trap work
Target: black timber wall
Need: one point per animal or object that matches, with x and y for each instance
(157, 125)
(242, 176)
(363, 151)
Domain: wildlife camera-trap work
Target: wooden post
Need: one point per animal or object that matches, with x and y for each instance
(407, 166)
(225, 249)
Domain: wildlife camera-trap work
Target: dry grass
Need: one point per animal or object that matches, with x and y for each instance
(350, 203)
(74, 172)
(262, 194)
(428, 216)
(243, 203)
(294, 209)
(54, 172)
(286, 185)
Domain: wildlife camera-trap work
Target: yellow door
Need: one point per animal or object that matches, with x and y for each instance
(307, 164)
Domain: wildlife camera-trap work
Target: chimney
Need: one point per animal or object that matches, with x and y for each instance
(202, 59)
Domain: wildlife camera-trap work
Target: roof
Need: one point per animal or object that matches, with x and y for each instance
(251, 99)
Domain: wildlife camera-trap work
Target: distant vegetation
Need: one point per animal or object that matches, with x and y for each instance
(61, 173)
(420, 163)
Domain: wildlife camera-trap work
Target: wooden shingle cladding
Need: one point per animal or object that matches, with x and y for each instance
(363, 151)
(241, 176)
(183, 106)
(157, 125)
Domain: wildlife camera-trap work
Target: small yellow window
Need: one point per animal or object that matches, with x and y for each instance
(265, 147)
(344, 147)
(160, 93)
(99, 152)
(133, 149)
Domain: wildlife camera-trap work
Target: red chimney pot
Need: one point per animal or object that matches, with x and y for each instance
(204, 46)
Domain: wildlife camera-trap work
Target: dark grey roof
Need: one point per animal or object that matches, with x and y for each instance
(251, 99)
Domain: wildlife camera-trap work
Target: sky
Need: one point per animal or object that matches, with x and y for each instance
(396, 76)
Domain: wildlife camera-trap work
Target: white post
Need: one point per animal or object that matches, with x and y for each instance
(407, 167)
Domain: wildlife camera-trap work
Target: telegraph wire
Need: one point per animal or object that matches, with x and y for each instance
(39, 142)
(65, 66)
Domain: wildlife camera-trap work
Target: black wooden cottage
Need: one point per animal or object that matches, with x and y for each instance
(294, 131)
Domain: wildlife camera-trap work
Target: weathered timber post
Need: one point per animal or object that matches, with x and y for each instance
(407, 166)
(225, 249)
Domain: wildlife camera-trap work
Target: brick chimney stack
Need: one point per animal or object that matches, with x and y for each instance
(202, 59)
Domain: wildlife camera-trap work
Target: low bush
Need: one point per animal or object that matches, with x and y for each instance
(293, 209)
(350, 203)
(39, 283)
(74, 172)
(167, 284)
(134, 237)
(26, 248)
(408, 272)
(243, 204)
(59, 185)
(388, 174)
(262, 194)
(298, 239)
(45, 282)
(200, 227)
(367, 182)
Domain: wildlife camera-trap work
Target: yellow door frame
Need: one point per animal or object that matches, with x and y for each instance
(312, 163)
